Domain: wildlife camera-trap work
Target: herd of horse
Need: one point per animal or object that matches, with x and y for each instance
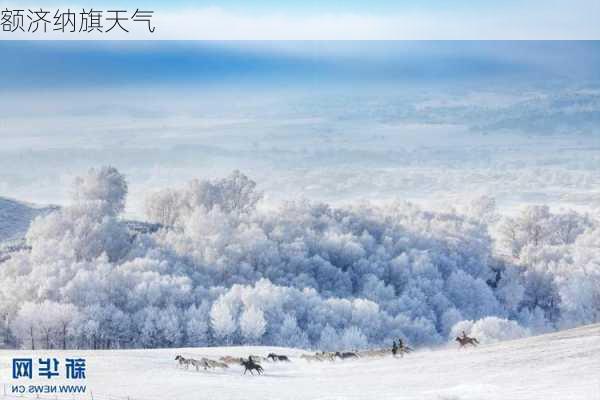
(252, 363)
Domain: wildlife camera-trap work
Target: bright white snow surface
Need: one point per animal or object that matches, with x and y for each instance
(563, 365)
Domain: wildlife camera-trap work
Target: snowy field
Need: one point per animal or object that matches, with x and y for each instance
(561, 366)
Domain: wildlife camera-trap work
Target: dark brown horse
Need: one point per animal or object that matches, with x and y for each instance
(465, 340)
(404, 350)
(278, 357)
(346, 354)
(250, 365)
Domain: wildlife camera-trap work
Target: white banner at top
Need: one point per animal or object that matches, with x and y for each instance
(152, 20)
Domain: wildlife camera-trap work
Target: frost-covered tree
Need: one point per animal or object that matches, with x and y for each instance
(233, 194)
(568, 226)
(222, 322)
(353, 338)
(197, 324)
(329, 340)
(160, 327)
(105, 187)
(164, 206)
(25, 325)
(483, 208)
(45, 325)
(536, 226)
(302, 274)
(64, 316)
(532, 226)
(252, 324)
(77, 233)
(541, 293)
(290, 334)
(88, 228)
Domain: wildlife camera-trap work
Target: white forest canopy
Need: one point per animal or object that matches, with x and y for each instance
(224, 270)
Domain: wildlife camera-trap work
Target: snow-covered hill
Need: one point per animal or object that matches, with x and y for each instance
(15, 217)
(561, 366)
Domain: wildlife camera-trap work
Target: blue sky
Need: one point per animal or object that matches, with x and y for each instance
(76, 64)
(262, 106)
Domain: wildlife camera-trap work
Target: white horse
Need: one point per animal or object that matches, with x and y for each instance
(310, 357)
(329, 356)
(208, 363)
(374, 353)
(183, 361)
(197, 363)
(190, 361)
(231, 360)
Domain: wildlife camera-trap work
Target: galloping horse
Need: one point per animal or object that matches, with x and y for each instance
(465, 340)
(208, 363)
(278, 357)
(346, 354)
(373, 353)
(311, 357)
(230, 359)
(329, 356)
(250, 365)
(183, 361)
(190, 361)
(404, 350)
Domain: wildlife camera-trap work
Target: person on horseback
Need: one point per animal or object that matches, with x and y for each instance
(250, 365)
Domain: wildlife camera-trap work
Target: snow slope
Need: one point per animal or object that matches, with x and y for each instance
(563, 365)
(15, 217)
